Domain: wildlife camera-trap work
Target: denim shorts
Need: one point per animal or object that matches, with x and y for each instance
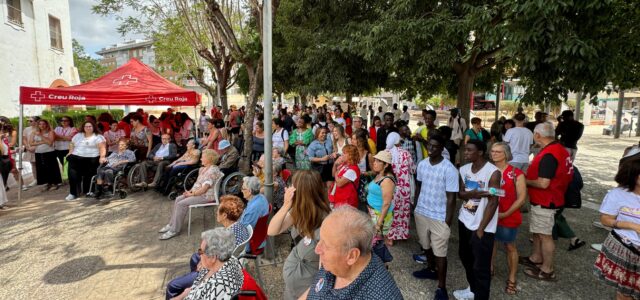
(506, 234)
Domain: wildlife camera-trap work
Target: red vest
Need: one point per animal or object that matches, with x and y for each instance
(553, 196)
(348, 193)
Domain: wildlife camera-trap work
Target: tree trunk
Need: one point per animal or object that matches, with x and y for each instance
(465, 88)
(349, 98)
(255, 74)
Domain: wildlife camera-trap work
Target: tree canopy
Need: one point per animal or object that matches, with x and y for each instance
(88, 68)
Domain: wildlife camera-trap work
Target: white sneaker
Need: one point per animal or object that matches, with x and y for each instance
(165, 228)
(32, 184)
(465, 294)
(167, 235)
(70, 197)
(597, 247)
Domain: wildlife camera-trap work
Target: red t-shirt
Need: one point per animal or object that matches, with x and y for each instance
(348, 193)
(508, 184)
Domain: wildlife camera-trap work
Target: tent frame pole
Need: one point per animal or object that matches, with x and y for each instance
(195, 116)
(20, 149)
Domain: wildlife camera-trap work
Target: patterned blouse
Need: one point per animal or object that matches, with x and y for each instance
(117, 157)
(139, 139)
(208, 176)
(222, 285)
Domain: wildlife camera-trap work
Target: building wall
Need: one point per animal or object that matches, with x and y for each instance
(26, 53)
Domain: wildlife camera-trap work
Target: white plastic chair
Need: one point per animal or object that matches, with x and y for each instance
(215, 202)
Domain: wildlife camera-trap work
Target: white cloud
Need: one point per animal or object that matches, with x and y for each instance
(92, 31)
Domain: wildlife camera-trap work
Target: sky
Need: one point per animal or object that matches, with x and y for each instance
(92, 31)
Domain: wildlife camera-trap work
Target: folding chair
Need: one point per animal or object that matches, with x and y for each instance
(215, 202)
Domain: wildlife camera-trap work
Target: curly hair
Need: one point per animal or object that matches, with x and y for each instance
(353, 156)
(232, 206)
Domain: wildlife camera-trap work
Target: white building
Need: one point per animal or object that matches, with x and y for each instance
(35, 50)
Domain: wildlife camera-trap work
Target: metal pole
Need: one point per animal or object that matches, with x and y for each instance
(267, 102)
(498, 90)
(619, 114)
(195, 117)
(578, 102)
(20, 125)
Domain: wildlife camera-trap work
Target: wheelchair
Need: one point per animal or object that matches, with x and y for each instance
(183, 181)
(120, 183)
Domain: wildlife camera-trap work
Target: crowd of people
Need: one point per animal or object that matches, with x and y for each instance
(358, 178)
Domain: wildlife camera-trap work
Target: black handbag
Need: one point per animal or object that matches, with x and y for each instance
(573, 197)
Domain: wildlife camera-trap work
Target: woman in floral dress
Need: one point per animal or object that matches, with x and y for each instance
(404, 168)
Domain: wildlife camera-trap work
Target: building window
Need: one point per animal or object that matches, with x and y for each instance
(55, 33)
(14, 9)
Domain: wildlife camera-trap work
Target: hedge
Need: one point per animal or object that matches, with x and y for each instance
(76, 115)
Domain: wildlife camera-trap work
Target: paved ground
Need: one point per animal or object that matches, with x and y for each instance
(52, 249)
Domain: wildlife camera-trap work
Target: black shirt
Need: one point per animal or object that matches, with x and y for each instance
(548, 166)
(570, 132)
(532, 125)
(381, 137)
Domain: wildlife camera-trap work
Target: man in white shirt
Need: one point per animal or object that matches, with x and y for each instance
(477, 220)
(520, 140)
(405, 114)
(434, 212)
(396, 112)
(458, 126)
(380, 113)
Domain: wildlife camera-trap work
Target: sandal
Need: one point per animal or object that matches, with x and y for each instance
(579, 243)
(538, 274)
(527, 262)
(511, 289)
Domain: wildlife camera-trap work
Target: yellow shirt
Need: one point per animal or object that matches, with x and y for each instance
(372, 146)
(424, 132)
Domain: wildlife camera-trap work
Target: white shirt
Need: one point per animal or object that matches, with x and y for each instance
(472, 210)
(66, 132)
(396, 114)
(87, 146)
(381, 116)
(520, 140)
(436, 180)
(163, 151)
(405, 116)
(625, 206)
(279, 137)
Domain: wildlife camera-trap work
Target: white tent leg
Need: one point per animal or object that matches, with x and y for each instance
(20, 124)
(196, 125)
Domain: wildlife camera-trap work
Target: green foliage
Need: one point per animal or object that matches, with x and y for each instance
(88, 68)
(76, 115)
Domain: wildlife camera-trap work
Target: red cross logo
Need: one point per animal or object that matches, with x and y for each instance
(151, 99)
(125, 80)
(37, 96)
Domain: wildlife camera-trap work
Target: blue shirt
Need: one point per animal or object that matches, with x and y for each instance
(319, 149)
(256, 208)
(375, 282)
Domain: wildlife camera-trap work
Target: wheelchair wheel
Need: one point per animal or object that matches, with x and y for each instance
(190, 179)
(173, 195)
(232, 185)
(135, 177)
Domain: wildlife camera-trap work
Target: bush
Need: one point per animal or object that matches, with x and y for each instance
(76, 115)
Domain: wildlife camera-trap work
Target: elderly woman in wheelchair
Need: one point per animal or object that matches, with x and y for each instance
(184, 164)
(116, 163)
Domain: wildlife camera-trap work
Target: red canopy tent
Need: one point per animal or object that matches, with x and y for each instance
(134, 83)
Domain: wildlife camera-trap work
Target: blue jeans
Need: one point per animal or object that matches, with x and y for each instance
(179, 284)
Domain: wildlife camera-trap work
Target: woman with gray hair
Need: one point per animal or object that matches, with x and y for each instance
(513, 193)
(221, 275)
(203, 191)
(257, 204)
